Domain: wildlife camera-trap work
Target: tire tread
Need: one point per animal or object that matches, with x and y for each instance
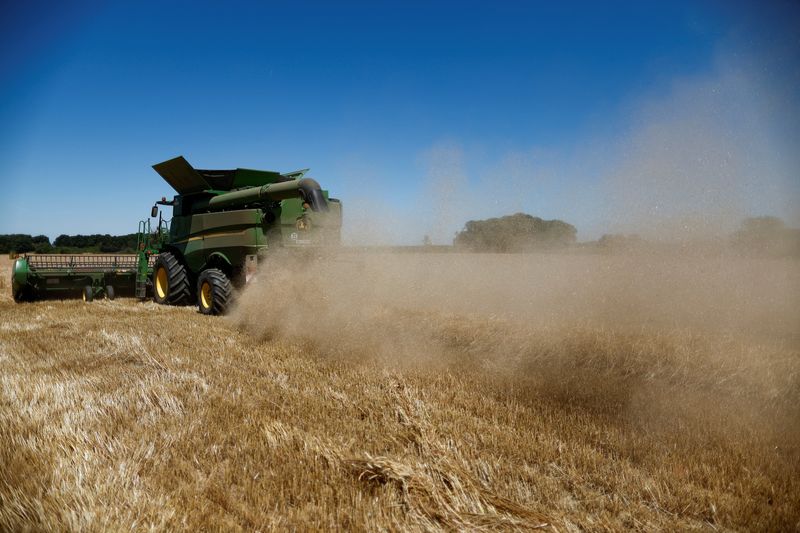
(177, 280)
(221, 291)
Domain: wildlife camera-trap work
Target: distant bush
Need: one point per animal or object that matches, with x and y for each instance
(515, 233)
(619, 241)
(767, 236)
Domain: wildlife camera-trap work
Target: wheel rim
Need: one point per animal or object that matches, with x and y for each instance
(161, 282)
(83, 296)
(205, 295)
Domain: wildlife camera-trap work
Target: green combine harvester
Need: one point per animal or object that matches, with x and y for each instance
(224, 222)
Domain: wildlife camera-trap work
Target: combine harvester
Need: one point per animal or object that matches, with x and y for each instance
(223, 223)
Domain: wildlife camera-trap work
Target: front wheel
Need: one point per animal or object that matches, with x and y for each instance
(88, 293)
(214, 292)
(170, 281)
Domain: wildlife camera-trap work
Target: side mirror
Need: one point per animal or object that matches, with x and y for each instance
(154, 212)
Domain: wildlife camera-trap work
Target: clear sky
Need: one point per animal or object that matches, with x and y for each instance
(419, 116)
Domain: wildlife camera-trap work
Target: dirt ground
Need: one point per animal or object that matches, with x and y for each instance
(422, 392)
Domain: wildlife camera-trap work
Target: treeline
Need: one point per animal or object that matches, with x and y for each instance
(767, 236)
(759, 236)
(101, 243)
(20, 243)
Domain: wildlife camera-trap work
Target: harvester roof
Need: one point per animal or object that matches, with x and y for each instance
(186, 179)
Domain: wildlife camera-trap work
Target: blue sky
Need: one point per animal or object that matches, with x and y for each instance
(419, 116)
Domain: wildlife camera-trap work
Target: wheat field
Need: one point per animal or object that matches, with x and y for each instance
(414, 392)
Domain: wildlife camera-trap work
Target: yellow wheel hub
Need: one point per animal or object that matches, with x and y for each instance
(162, 282)
(205, 295)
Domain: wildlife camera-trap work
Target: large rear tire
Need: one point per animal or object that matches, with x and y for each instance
(170, 281)
(214, 291)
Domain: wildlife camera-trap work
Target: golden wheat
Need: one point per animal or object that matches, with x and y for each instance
(126, 415)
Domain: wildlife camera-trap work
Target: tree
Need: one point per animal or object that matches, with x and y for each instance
(515, 233)
(21, 243)
(41, 244)
(98, 243)
(767, 236)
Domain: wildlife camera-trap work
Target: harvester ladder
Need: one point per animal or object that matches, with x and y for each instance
(148, 245)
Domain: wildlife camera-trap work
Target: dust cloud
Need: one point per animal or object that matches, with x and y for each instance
(691, 349)
(683, 315)
(574, 325)
(328, 296)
